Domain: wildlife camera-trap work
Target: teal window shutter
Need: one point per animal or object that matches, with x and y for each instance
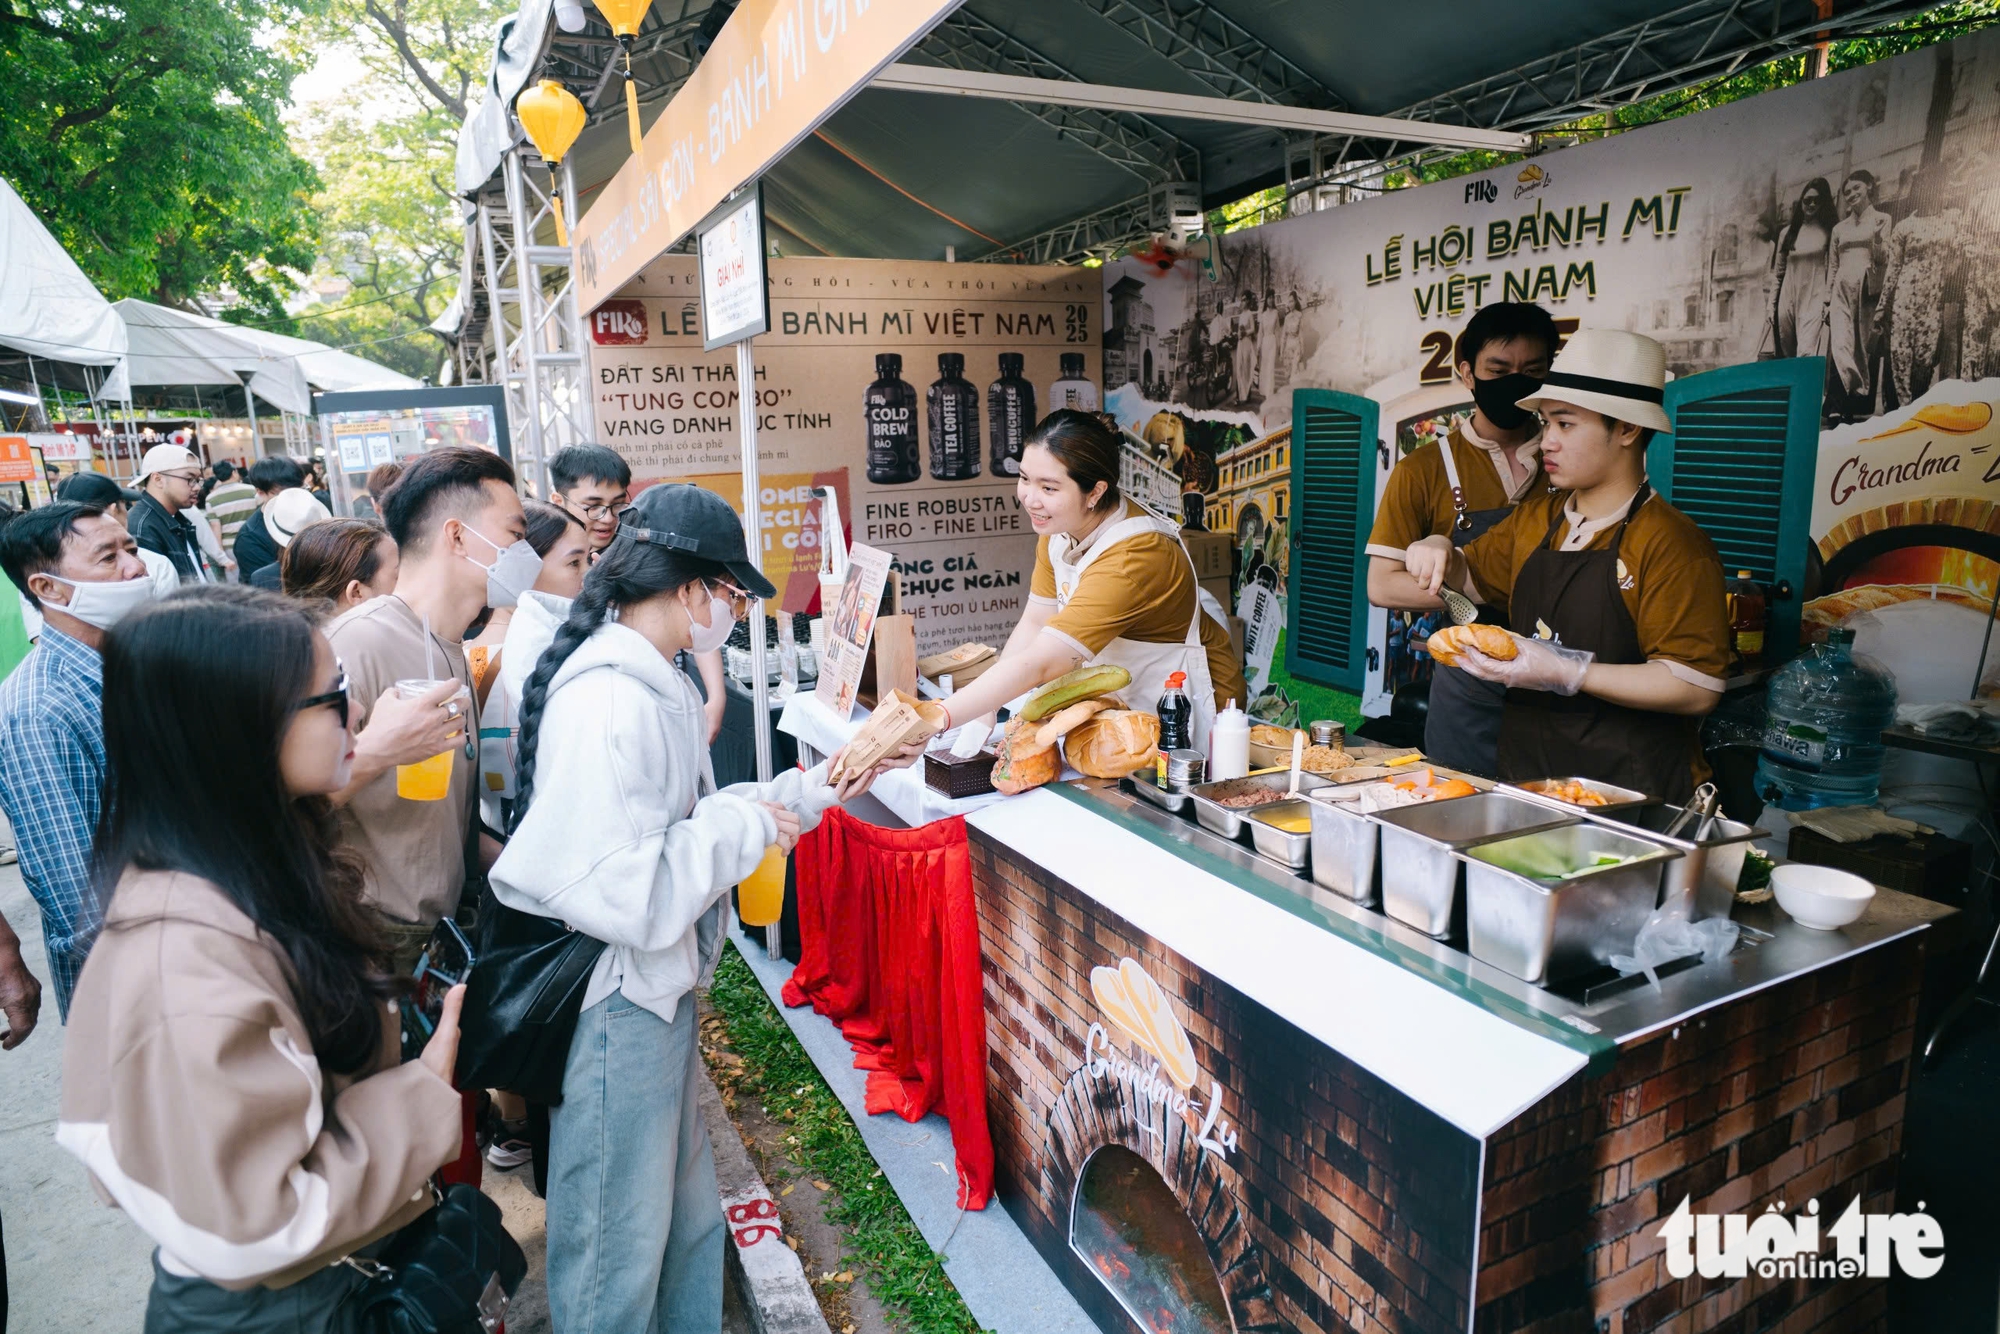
(1741, 463)
(1333, 506)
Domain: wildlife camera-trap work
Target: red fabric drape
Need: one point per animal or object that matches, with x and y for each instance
(889, 940)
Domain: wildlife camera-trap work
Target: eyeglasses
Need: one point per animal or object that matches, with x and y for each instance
(191, 478)
(739, 601)
(336, 697)
(596, 510)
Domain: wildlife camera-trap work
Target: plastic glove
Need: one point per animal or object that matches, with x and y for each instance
(1539, 665)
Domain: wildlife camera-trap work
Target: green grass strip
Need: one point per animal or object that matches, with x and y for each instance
(904, 1274)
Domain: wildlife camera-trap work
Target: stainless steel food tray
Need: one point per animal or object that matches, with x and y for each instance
(1228, 820)
(1615, 797)
(1280, 845)
(1141, 784)
(1420, 869)
(1544, 930)
(1706, 873)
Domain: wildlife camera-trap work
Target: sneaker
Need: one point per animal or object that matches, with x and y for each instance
(7, 855)
(510, 1147)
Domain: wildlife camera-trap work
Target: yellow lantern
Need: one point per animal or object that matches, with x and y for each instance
(553, 118)
(625, 16)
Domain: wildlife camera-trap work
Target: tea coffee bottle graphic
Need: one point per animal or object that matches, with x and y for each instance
(954, 421)
(1010, 414)
(890, 407)
(1073, 390)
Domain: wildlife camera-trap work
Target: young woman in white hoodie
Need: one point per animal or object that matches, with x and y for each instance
(619, 832)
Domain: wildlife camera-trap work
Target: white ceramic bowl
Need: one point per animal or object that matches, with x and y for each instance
(1819, 896)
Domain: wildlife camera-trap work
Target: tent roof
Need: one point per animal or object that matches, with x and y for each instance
(174, 347)
(905, 174)
(48, 308)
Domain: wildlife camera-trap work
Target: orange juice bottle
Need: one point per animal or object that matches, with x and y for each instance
(760, 898)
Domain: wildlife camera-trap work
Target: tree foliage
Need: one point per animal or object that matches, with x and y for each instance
(391, 225)
(148, 136)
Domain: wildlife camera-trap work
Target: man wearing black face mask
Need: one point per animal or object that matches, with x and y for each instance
(1464, 485)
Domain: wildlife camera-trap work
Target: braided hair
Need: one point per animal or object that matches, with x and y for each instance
(629, 571)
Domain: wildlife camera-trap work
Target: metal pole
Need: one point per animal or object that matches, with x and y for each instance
(753, 527)
(250, 407)
(526, 283)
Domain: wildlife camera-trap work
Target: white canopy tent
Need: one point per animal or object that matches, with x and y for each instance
(48, 308)
(173, 347)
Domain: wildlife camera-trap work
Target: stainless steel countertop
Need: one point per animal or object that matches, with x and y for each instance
(1774, 948)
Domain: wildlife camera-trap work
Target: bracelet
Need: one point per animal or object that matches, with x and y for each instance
(947, 717)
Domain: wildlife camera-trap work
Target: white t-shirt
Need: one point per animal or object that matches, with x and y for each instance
(158, 568)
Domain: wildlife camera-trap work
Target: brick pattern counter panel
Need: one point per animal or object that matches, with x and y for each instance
(1790, 1094)
(1325, 1199)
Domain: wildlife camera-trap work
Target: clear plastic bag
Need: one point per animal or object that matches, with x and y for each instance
(1667, 935)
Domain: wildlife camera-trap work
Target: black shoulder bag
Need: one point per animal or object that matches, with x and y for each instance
(522, 1002)
(453, 1271)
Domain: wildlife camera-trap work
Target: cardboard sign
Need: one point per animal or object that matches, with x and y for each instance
(850, 624)
(17, 460)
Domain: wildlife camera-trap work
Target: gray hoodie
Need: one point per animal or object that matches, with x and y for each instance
(626, 838)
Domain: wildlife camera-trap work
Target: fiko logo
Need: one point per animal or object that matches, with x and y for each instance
(1481, 192)
(619, 323)
(1774, 1246)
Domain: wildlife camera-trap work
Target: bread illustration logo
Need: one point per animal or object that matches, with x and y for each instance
(1948, 418)
(1531, 172)
(1136, 1007)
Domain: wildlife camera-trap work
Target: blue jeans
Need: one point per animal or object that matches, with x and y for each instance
(634, 1219)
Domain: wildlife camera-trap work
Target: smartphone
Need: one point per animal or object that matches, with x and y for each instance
(445, 962)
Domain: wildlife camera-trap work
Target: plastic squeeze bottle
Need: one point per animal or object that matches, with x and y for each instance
(1229, 744)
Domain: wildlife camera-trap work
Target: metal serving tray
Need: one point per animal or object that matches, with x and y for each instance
(1705, 874)
(1346, 847)
(1544, 930)
(1280, 845)
(1615, 797)
(1141, 784)
(1420, 871)
(1228, 821)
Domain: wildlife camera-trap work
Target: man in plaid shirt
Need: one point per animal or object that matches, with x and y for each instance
(74, 563)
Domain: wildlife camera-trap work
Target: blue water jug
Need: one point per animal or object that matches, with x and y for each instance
(1823, 726)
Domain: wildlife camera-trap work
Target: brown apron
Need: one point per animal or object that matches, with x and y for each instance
(1546, 735)
(1462, 721)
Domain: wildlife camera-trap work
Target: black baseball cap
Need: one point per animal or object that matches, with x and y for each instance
(683, 517)
(94, 488)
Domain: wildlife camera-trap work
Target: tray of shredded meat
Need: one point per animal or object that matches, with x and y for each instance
(1219, 807)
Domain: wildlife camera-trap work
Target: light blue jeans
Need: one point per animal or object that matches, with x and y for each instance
(635, 1223)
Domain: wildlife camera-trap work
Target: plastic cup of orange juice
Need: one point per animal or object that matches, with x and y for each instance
(760, 898)
(426, 780)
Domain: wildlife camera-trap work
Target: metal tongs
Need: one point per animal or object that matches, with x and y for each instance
(1705, 803)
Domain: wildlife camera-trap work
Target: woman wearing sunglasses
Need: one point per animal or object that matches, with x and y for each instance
(230, 1071)
(620, 832)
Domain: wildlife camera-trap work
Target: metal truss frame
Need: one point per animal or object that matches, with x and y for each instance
(1217, 50)
(1132, 143)
(539, 353)
(1703, 40)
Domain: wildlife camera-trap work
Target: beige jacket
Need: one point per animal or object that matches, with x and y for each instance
(191, 1093)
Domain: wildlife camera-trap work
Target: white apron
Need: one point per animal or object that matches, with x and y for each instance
(1150, 664)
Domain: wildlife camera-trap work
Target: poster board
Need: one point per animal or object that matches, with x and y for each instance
(961, 542)
(735, 299)
(850, 625)
(18, 461)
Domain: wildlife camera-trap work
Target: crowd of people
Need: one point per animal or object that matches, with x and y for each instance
(234, 915)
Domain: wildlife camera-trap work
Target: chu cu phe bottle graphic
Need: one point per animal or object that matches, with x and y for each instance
(890, 406)
(954, 421)
(1010, 412)
(1073, 390)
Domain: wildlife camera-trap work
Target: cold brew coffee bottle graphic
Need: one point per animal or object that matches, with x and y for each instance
(1073, 390)
(1010, 414)
(954, 414)
(890, 407)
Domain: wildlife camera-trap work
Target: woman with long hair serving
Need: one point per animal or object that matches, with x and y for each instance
(1112, 584)
(230, 1073)
(619, 832)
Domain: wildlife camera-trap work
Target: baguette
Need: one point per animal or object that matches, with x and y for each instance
(1056, 727)
(1445, 645)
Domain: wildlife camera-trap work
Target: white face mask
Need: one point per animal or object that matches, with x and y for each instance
(104, 604)
(710, 637)
(511, 574)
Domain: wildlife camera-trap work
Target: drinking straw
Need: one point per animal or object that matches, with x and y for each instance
(430, 652)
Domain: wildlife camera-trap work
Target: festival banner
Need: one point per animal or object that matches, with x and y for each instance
(880, 379)
(1854, 217)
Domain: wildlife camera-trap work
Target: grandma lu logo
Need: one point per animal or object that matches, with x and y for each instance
(1775, 1246)
(1138, 1009)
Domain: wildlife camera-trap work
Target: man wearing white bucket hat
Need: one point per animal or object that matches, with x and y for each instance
(1615, 598)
